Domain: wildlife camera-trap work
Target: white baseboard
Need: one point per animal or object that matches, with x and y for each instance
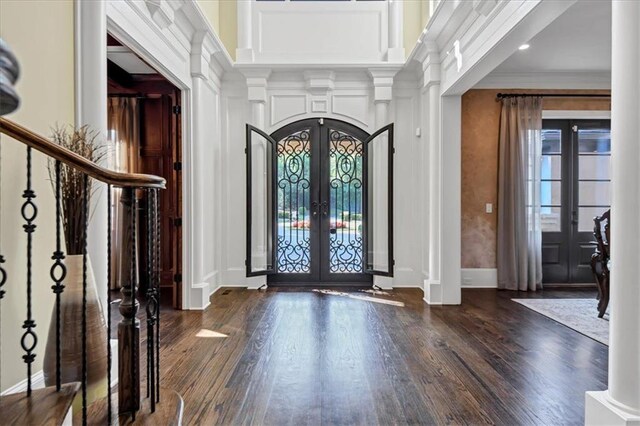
(432, 292)
(37, 378)
(37, 382)
(480, 278)
(199, 296)
(601, 411)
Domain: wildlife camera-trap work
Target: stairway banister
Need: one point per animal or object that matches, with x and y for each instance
(51, 149)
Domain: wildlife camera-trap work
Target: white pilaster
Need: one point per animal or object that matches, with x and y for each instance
(91, 109)
(431, 82)
(620, 404)
(396, 49)
(244, 52)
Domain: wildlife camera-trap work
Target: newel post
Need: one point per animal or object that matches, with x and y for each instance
(129, 326)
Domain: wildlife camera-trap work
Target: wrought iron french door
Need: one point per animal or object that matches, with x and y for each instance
(316, 211)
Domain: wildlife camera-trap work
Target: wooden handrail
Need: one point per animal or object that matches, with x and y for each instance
(70, 158)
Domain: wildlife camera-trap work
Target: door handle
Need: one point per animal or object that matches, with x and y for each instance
(314, 208)
(325, 206)
(574, 217)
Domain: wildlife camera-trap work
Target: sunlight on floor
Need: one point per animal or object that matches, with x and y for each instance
(360, 297)
(209, 333)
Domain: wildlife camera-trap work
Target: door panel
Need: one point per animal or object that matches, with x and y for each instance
(575, 188)
(160, 143)
(379, 229)
(260, 150)
(320, 202)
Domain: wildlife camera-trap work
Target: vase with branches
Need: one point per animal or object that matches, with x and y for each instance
(84, 142)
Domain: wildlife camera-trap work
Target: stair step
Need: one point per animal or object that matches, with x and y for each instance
(168, 411)
(44, 407)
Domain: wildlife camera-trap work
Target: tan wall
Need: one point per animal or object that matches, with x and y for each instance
(40, 32)
(211, 9)
(415, 17)
(480, 127)
(229, 26)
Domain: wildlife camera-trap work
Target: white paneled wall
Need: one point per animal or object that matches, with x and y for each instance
(347, 96)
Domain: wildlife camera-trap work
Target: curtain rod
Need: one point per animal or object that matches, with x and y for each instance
(553, 95)
(124, 95)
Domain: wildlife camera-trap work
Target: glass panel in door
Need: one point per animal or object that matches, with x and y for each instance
(346, 241)
(293, 186)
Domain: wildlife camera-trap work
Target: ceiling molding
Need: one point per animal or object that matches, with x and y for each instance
(546, 80)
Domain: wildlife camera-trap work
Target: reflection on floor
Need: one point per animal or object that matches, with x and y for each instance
(296, 356)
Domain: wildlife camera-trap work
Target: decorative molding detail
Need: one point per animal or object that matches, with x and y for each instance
(484, 7)
(383, 83)
(430, 65)
(319, 104)
(286, 106)
(479, 278)
(161, 12)
(319, 82)
(547, 80)
(257, 84)
(353, 106)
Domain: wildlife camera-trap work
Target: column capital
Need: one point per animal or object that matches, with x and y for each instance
(257, 80)
(202, 49)
(431, 65)
(383, 83)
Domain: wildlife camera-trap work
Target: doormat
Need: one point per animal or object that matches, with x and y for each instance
(580, 315)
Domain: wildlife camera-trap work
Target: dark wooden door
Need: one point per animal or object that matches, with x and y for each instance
(575, 189)
(319, 174)
(160, 154)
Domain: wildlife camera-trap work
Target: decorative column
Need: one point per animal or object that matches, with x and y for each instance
(395, 52)
(431, 83)
(244, 51)
(196, 290)
(257, 96)
(620, 404)
(91, 109)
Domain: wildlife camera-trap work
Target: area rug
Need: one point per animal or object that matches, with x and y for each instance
(578, 314)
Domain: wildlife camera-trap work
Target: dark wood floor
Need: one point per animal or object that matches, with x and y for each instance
(302, 357)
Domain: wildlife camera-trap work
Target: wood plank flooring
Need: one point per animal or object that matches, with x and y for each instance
(296, 356)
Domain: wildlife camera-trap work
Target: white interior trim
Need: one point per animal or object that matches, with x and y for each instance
(576, 115)
(479, 278)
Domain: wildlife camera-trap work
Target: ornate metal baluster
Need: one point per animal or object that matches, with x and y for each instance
(85, 222)
(58, 272)
(29, 212)
(134, 293)
(156, 281)
(109, 229)
(151, 303)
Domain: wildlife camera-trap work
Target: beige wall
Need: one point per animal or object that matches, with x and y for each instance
(211, 9)
(416, 15)
(222, 14)
(40, 32)
(229, 26)
(480, 128)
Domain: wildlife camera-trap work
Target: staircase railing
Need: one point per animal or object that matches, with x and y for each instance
(129, 374)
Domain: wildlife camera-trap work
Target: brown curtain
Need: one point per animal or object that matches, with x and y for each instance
(124, 136)
(519, 252)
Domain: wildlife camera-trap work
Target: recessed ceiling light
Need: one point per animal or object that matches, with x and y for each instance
(524, 47)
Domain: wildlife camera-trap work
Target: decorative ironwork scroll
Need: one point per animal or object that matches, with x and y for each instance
(293, 181)
(346, 186)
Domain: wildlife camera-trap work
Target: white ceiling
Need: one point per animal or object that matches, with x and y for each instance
(579, 40)
(128, 61)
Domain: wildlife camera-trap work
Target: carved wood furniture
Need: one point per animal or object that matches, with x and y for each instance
(600, 259)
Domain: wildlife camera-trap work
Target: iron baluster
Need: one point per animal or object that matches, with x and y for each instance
(58, 272)
(29, 212)
(85, 223)
(109, 226)
(156, 219)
